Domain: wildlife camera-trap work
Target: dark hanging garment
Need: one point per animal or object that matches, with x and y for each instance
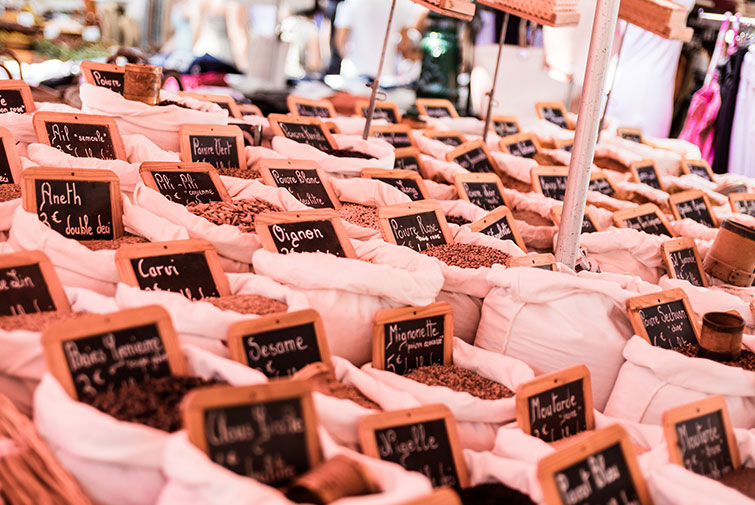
(730, 74)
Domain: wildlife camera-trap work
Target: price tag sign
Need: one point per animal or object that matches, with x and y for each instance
(553, 112)
(699, 437)
(104, 75)
(387, 111)
(223, 101)
(102, 352)
(646, 217)
(79, 204)
(10, 163)
(184, 183)
(409, 158)
(190, 267)
(743, 203)
(700, 168)
(484, 190)
(506, 125)
(550, 181)
(683, 261)
(436, 108)
(267, 432)
(15, 96)
(80, 135)
(421, 439)
(665, 319)
(556, 405)
(565, 145)
(29, 284)
(304, 231)
(451, 138)
(589, 220)
(303, 179)
(407, 338)
(222, 146)
(408, 182)
(397, 135)
(417, 225)
(474, 157)
(500, 224)
(693, 204)
(304, 107)
(539, 261)
(633, 134)
(600, 183)
(305, 130)
(523, 145)
(645, 172)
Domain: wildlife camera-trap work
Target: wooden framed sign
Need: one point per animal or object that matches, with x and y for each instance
(500, 224)
(249, 109)
(436, 108)
(645, 172)
(646, 217)
(600, 183)
(387, 111)
(304, 231)
(483, 190)
(422, 439)
(742, 203)
(556, 405)
(598, 469)
(304, 179)
(540, 261)
(589, 220)
(417, 225)
(452, 138)
(408, 182)
(693, 204)
(279, 345)
(80, 204)
(190, 267)
(15, 96)
(80, 135)
(10, 162)
(184, 183)
(305, 130)
(406, 338)
(104, 75)
(665, 319)
(409, 158)
(683, 261)
(700, 168)
(553, 112)
(102, 352)
(267, 432)
(222, 146)
(699, 437)
(506, 125)
(29, 284)
(331, 127)
(550, 181)
(397, 135)
(524, 145)
(225, 102)
(305, 107)
(474, 157)
(633, 134)
(565, 145)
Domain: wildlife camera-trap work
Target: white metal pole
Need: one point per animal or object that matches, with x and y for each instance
(488, 116)
(376, 82)
(604, 26)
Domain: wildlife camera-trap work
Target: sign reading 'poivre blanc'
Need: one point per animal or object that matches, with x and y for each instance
(303, 179)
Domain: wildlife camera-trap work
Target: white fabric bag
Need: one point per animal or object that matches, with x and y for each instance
(337, 166)
(626, 251)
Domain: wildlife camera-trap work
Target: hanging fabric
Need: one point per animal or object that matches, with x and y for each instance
(742, 154)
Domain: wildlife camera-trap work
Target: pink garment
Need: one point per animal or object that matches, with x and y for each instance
(701, 119)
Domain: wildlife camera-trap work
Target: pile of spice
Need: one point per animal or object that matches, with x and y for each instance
(467, 255)
(746, 359)
(38, 321)
(248, 304)
(9, 192)
(323, 380)
(241, 172)
(360, 215)
(457, 220)
(99, 245)
(238, 213)
(165, 103)
(493, 493)
(345, 153)
(460, 380)
(743, 480)
(154, 402)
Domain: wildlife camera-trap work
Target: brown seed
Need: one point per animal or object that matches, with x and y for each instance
(360, 215)
(34, 322)
(746, 359)
(239, 213)
(467, 255)
(99, 245)
(460, 380)
(248, 304)
(241, 173)
(457, 220)
(9, 192)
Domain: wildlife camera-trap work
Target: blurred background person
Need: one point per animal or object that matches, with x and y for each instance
(221, 29)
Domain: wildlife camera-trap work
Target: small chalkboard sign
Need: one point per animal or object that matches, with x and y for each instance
(407, 338)
(304, 231)
(10, 162)
(102, 352)
(550, 181)
(267, 432)
(600, 183)
(645, 172)
(80, 204)
(80, 135)
(451, 138)
(421, 439)
(104, 75)
(589, 220)
(633, 134)
(223, 101)
(556, 405)
(222, 146)
(305, 130)
(553, 112)
(540, 261)
(693, 204)
(483, 190)
(387, 111)
(15, 96)
(500, 224)
(408, 182)
(417, 225)
(699, 436)
(305, 107)
(190, 267)
(665, 319)
(397, 135)
(683, 261)
(184, 183)
(700, 168)
(506, 125)
(523, 145)
(304, 179)
(437, 108)
(598, 469)
(249, 109)
(743, 203)
(29, 284)
(473, 157)
(646, 217)
(409, 158)
(279, 345)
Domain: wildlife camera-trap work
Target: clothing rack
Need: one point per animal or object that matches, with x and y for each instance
(719, 18)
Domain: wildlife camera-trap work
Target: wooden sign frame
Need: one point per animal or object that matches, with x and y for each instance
(266, 219)
(620, 216)
(11, 152)
(233, 107)
(699, 163)
(423, 103)
(332, 127)
(265, 167)
(361, 105)
(469, 146)
(249, 109)
(147, 168)
(489, 178)
(403, 152)
(506, 119)
(292, 101)
(636, 303)
(540, 106)
(623, 130)
(543, 170)
(646, 163)
(579, 450)
(496, 215)
(685, 196)
(43, 117)
(534, 261)
(406, 209)
(371, 423)
(600, 174)
(186, 131)
(89, 325)
(31, 174)
(557, 210)
(275, 119)
(438, 134)
(25, 90)
(373, 173)
(384, 317)
(393, 128)
(88, 67)
(680, 244)
(562, 144)
(457, 9)
(504, 142)
(736, 197)
(46, 268)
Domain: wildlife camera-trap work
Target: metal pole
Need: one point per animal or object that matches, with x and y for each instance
(604, 26)
(376, 82)
(613, 78)
(488, 116)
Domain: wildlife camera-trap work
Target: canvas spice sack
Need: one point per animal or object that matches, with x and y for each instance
(667, 162)
(337, 166)
(626, 251)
